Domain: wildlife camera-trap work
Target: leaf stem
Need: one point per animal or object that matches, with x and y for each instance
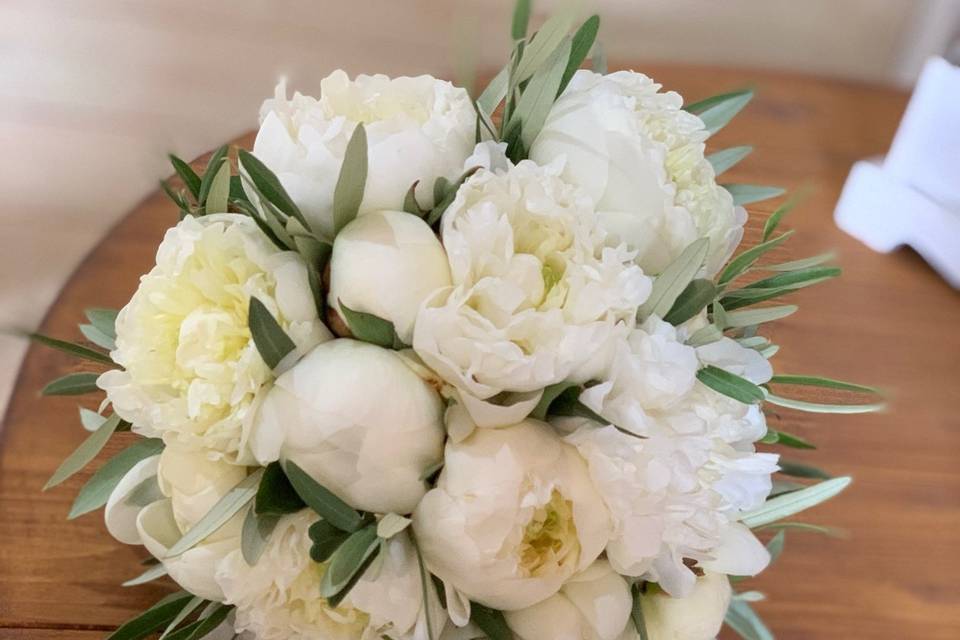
(423, 586)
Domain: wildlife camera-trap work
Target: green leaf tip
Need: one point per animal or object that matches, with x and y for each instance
(368, 327)
(730, 384)
(521, 19)
(70, 348)
(321, 500)
(788, 504)
(717, 111)
(351, 183)
(271, 340)
(85, 453)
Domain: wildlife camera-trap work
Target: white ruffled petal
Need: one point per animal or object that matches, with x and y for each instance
(739, 553)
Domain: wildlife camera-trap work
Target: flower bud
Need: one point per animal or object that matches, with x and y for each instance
(358, 420)
(696, 617)
(387, 263)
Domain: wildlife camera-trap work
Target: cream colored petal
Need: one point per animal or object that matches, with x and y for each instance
(553, 619)
(738, 553)
(120, 515)
(458, 605)
(603, 599)
(487, 414)
(193, 570)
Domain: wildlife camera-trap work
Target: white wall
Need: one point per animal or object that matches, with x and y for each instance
(95, 92)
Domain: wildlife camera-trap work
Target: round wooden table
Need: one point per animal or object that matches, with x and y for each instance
(890, 321)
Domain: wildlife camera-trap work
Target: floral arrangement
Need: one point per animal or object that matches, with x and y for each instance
(423, 366)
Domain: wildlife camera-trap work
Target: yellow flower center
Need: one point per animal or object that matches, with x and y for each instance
(550, 538)
(551, 277)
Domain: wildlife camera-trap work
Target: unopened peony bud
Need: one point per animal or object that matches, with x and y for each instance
(696, 617)
(359, 421)
(387, 263)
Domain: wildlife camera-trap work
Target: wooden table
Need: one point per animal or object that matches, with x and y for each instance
(889, 321)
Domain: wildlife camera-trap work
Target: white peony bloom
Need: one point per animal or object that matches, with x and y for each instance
(417, 129)
(676, 492)
(651, 371)
(278, 598)
(535, 293)
(358, 420)
(514, 515)
(651, 384)
(641, 158)
(191, 372)
(698, 616)
(191, 483)
(387, 263)
(595, 604)
(675, 498)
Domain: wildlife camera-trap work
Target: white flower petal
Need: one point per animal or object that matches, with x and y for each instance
(603, 599)
(739, 553)
(195, 483)
(595, 604)
(729, 355)
(652, 371)
(193, 570)
(552, 619)
(489, 155)
(673, 497)
(458, 605)
(491, 415)
(418, 129)
(278, 599)
(119, 514)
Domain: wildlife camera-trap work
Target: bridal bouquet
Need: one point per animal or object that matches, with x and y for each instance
(424, 366)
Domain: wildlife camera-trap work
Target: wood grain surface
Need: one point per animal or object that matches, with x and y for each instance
(889, 321)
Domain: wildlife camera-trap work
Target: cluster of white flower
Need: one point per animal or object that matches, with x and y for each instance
(641, 158)
(530, 282)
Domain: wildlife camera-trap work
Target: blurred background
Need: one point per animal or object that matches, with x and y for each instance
(94, 93)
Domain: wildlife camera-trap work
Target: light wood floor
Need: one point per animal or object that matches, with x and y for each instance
(93, 93)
